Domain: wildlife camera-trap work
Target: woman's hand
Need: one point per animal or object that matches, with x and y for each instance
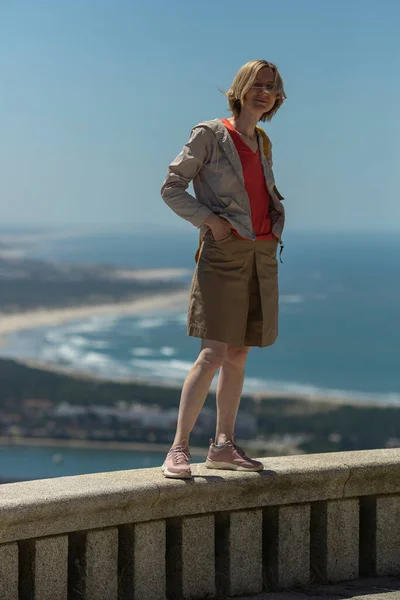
(220, 228)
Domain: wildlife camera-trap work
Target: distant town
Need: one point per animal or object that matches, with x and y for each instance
(125, 422)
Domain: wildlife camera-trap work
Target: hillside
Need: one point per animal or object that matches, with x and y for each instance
(37, 284)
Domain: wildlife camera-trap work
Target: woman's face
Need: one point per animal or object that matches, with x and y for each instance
(259, 98)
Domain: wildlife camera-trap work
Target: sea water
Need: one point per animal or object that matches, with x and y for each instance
(339, 318)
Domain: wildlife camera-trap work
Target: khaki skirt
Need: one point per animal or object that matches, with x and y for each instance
(234, 293)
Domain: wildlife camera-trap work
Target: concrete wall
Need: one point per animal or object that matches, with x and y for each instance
(134, 535)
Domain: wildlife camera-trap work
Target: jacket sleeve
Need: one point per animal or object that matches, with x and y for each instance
(182, 171)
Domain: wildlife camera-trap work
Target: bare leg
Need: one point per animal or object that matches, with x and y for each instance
(229, 390)
(196, 386)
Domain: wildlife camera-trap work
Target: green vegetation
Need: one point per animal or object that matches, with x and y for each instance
(47, 288)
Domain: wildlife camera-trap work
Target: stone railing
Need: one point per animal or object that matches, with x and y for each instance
(135, 535)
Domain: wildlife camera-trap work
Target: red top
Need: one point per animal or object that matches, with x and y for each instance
(255, 185)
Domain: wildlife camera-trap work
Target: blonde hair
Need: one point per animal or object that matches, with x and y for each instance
(245, 78)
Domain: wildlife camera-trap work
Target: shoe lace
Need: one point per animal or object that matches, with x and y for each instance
(181, 454)
(237, 448)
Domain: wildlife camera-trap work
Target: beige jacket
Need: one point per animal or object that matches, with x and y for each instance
(210, 160)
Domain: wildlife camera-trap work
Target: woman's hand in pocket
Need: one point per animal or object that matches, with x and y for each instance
(220, 228)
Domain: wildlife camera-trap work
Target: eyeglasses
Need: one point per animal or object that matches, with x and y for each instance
(268, 87)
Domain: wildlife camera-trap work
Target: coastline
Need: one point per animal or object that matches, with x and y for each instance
(171, 301)
(312, 400)
(10, 322)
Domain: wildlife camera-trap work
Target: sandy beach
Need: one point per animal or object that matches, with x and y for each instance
(38, 318)
(150, 274)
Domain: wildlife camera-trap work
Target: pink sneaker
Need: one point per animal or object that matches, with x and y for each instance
(230, 456)
(176, 465)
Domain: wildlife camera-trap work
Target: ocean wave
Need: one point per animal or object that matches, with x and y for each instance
(169, 370)
(78, 340)
(99, 344)
(150, 322)
(82, 342)
(167, 351)
(55, 336)
(172, 370)
(70, 348)
(65, 353)
(142, 352)
(95, 359)
(254, 385)
(175, 371)
(93, 324)
(63, 336)
(181, 319)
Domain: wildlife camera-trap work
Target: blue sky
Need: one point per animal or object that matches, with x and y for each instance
(97, 97)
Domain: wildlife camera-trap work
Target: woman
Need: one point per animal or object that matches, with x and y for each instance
(234, 295)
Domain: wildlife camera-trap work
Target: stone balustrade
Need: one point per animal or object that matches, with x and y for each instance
(134, 535)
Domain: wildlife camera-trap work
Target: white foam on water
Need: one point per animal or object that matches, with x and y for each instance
(181, 319)
(167, 351)
(77, 340)
(172, 370)
(55, 336)
(96, 360)
(142, 352)
(93, 324)
(65, 353)
(316, 392)
(150, 322)
(99, 344)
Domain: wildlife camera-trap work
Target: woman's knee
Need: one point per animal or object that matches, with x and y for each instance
(212, 357)
(237, 356)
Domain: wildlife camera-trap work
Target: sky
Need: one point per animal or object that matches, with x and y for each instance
(97, 98)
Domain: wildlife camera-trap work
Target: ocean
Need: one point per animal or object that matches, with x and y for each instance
(27, 463)
(339, 317)
(339, 331)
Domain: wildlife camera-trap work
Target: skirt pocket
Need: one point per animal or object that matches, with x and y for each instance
(225, 239)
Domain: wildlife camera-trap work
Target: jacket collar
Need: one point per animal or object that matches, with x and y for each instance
(226, 143)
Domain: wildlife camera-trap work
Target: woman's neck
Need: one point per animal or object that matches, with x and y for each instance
(245, 124)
